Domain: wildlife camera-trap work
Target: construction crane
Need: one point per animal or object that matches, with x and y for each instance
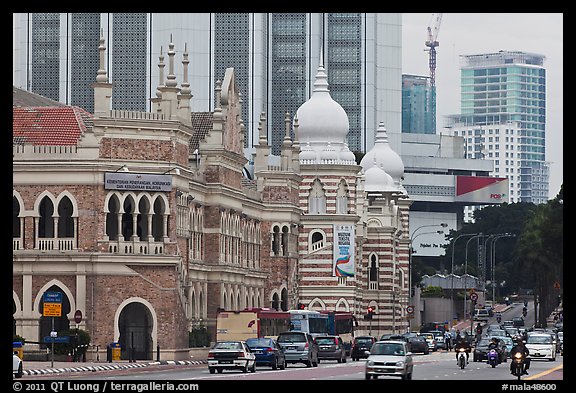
(432, 43)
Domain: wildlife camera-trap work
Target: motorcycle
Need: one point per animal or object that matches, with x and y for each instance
(462, 358)
(493, 358)
(518, 365)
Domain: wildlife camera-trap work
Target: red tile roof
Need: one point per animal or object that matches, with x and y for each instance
(49, 125)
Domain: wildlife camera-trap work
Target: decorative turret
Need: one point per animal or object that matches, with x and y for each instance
(102, 89)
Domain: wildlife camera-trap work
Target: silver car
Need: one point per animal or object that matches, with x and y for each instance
(391, 358)
(299, 347)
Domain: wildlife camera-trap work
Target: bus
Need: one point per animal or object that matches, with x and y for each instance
(265, 322)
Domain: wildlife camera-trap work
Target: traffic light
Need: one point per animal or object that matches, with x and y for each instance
(370, 313)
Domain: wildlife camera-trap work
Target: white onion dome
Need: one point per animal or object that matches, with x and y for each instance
(321, 119)
(377, 180)
(384, 156)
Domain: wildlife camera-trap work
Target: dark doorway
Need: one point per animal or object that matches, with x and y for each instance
(135, 326)
(61, 323)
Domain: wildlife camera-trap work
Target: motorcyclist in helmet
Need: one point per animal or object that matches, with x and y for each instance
(461, 342)
(520, 347)
(494, 345)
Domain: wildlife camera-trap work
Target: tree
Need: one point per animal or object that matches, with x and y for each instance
(539, 254)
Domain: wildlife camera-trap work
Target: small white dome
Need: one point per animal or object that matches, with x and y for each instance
(346, 155)
(307, 154)
(377, 180)
(329, 154)
(385, 157)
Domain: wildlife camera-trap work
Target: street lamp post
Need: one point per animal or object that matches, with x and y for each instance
(493, 260)
(466, 272)
(412, 238)
(452, 276)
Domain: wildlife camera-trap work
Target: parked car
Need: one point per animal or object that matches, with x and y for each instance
(231, 355)
(418, 344)
(299, 347)
(331, 348)
(541, 346)
(16, 365)
(389, 358)
(431, 340)
(360, 345)
(267, 352)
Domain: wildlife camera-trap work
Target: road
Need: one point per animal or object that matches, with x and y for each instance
(436, 366)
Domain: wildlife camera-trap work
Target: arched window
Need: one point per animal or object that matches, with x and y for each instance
(65, 220)
(142, 219)
(15, 217)
(317, 199)
(373, 272)
(127, 218)
(317, 241)
(112, 217)
(158, 220)
(275, 240)
(46, 220)
(275, 302)
(284, 299)
(285, 238)
(342, 198)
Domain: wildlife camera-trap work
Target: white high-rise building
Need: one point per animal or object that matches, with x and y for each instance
(503, 105)
(275, 57)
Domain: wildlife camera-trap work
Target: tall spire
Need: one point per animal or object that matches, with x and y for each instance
(161, 66)
(321, 82)
(171, 78)
(101, 76)
(185, 61)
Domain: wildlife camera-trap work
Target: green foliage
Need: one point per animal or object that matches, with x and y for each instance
(83, 338)
(199, 337)
(17, 338)
(432, 291)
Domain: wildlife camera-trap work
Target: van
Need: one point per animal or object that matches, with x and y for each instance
(481, 314)
(299, 347)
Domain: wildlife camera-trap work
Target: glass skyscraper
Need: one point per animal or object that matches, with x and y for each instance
(275, 57)
(418, 100)
(507, 90)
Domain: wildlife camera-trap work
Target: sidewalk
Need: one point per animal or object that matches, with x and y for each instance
(47, 367)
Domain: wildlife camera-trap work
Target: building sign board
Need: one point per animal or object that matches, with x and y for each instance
(482, 189)
(343, 251)
(137, 181)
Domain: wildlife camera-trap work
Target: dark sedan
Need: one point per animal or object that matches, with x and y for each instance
(331, 348)
(268, 352)
(418, 344)
(360, 346)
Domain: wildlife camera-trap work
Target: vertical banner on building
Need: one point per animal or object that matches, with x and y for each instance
(343, 265)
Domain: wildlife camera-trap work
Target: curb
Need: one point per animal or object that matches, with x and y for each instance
(110, 367)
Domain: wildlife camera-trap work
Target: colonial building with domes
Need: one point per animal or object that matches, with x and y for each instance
(147, 223)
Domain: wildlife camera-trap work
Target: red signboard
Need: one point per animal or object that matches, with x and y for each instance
(482, 189)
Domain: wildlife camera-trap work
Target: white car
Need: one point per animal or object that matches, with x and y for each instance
(391, 357)
(16, 365)
(231, 355)
(541, 346)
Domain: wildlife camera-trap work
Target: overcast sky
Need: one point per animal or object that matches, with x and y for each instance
(475, 33)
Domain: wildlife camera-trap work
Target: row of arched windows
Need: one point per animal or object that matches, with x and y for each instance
(317, 198)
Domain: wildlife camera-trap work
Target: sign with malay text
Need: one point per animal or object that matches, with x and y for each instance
(137, 181)
(52, 304)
